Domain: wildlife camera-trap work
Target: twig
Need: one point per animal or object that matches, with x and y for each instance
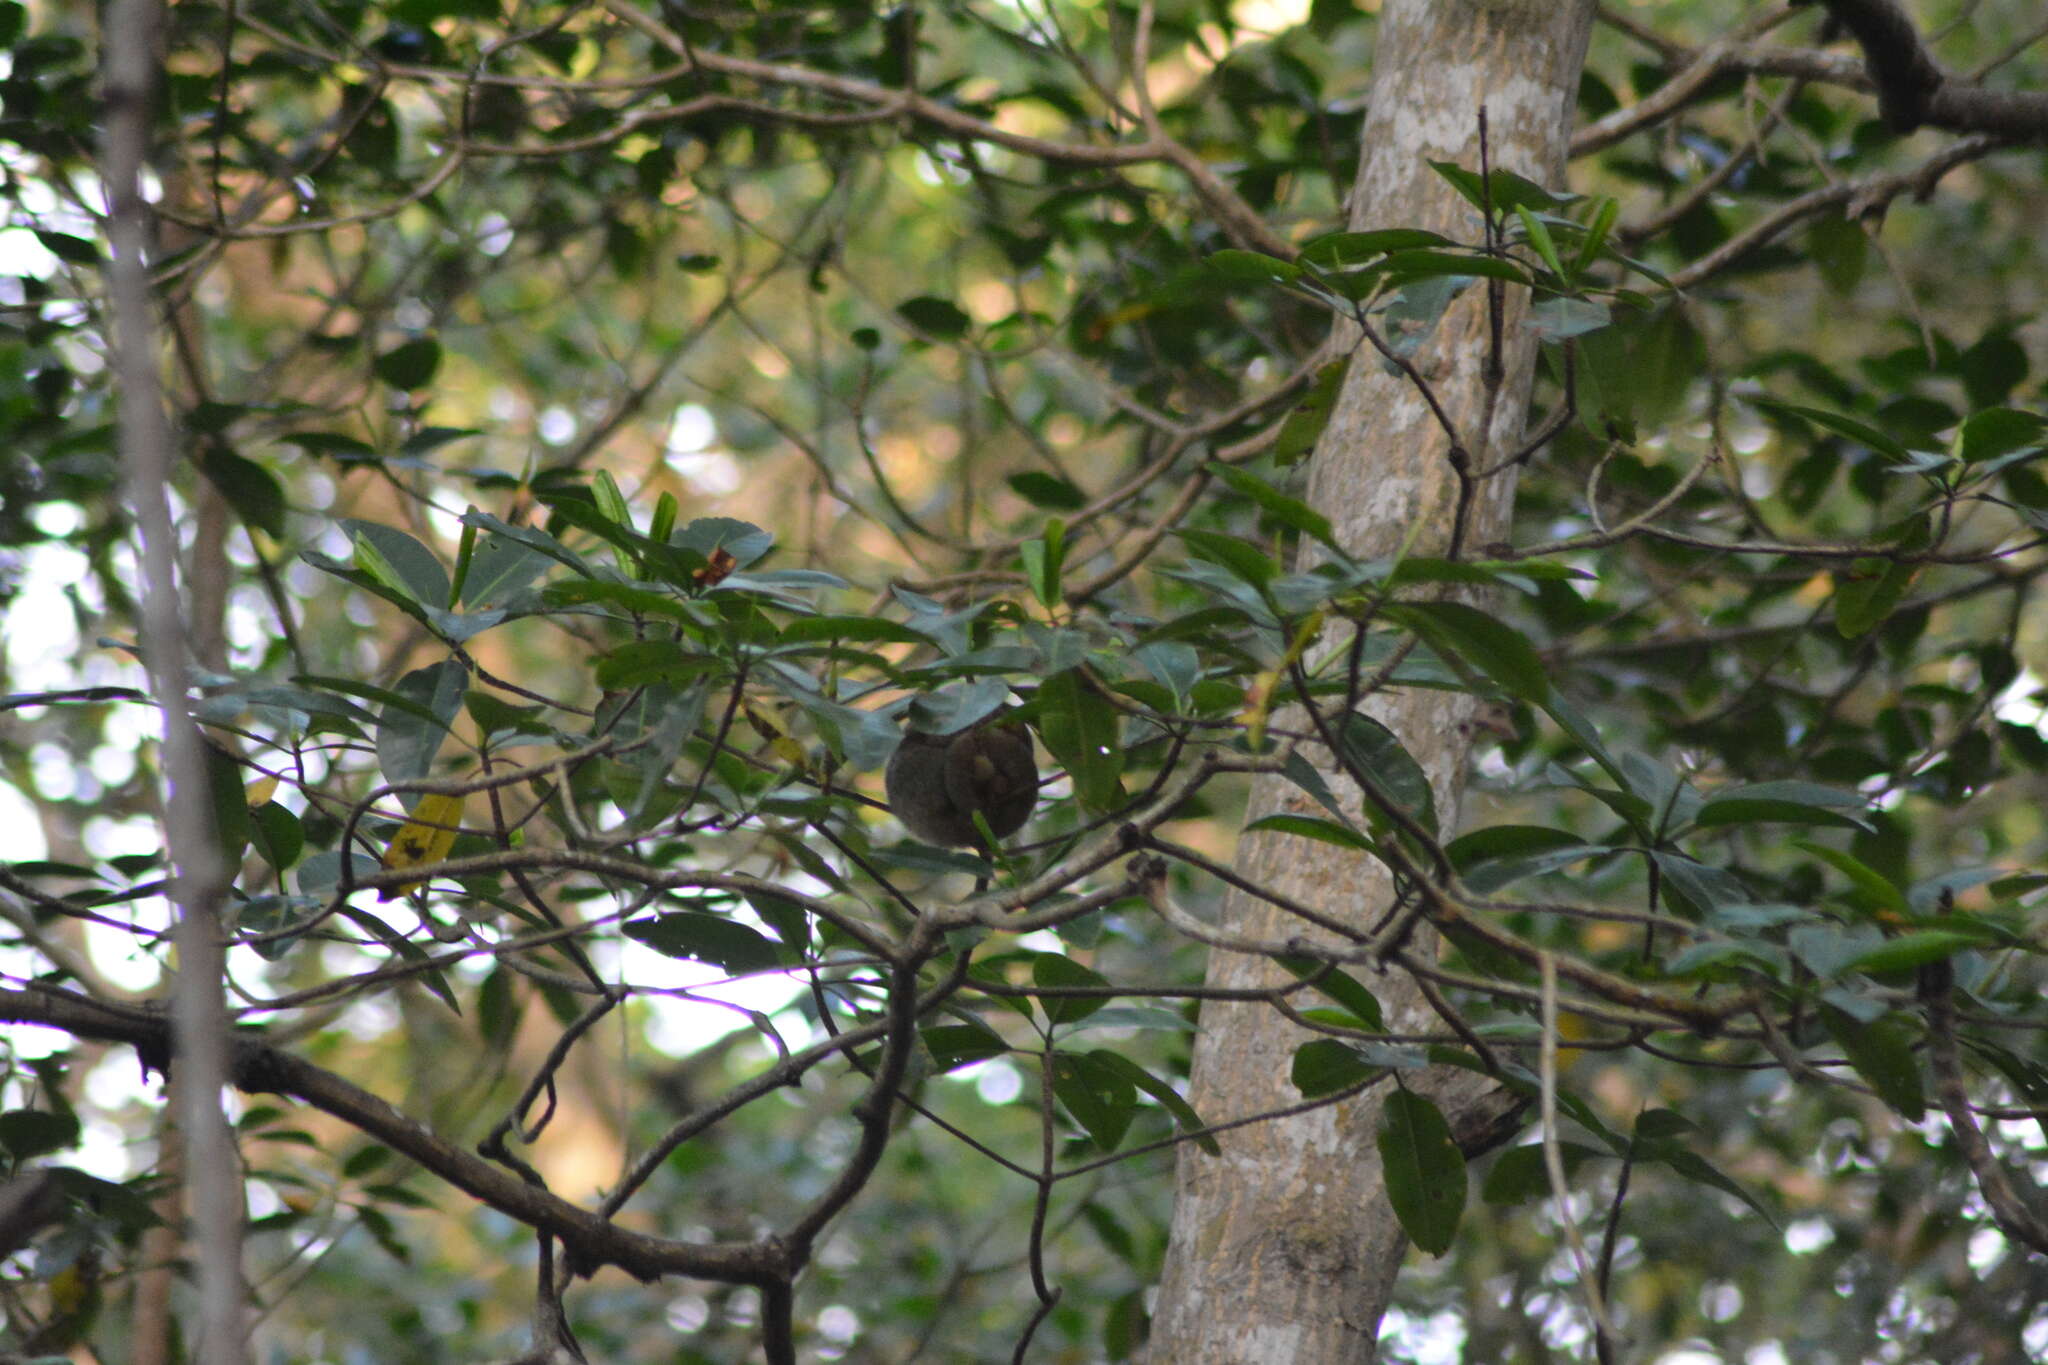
(1553, 1156)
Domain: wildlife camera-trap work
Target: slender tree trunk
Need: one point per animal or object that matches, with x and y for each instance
(1284, 1248)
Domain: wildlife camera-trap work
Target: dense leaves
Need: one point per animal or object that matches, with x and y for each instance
(600, 432)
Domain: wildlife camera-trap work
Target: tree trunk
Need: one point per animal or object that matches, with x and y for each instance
(1284, 1248)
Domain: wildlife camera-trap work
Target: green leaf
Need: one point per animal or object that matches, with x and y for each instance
(1640, 370)
(1556, 319)
(1741, 810)
(1523, 573)
(744, 541)
(819, 629)
(398, 561)
(1288, 511)
(1049, 491)
(67, 248)
(1406, 266)
(630, 600)
(1493, 842)
(1251, 266)
(638, 663)
(1840, 248)
(429, 439)
(1868, 591)
(1503, 654)
(1700, 1171)
(384, 1232)
(1102, 1100)
(249, 488)
(610, 501)
(935, 317)
(527, 537)
(1312, 827)
(1994, 432)
(1051, 970)
(1606, 209)
(953, 1046)
(1080, 729)
(1244, 560)
(1872, 890)
(411, 364)
(1341, 987)
(408, 952)
(1519, 1174)
(1042, 562)
(332, 444)
(1304, 425)
(277, 835)
(1882, 1053)
(409, 737)
(232, 825)
(1373, 750)
(1349, 250)
(1860, 432)
(1424, 1170)
(26, 1133)
(1654, 1125)
(1539, 239)
(1908, 951)
(705, 937)
(364, 1160)
(1169, 1099)
(1323, 1066)
(1503, 190)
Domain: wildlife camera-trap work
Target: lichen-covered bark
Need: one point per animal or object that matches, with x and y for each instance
(1283, 1248)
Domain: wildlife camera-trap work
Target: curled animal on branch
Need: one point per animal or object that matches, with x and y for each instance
(937, 784)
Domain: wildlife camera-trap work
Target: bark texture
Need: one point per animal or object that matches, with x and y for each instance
(1284, 1248)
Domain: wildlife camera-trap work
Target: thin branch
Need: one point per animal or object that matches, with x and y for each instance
(212, 1174)
(1553, 1156)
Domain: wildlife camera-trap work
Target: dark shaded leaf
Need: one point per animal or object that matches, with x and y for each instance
(1425, 1171)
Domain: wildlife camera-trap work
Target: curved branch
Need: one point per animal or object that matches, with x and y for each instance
(1914, 92)
(257, 1068)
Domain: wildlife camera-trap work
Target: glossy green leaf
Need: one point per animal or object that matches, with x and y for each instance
(1375, 752)
(723, 942)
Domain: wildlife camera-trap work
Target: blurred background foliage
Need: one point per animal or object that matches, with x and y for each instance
(420, 256)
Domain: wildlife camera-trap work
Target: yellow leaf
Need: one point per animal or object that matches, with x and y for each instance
(779, 742)
(426, 838)
(259, 792)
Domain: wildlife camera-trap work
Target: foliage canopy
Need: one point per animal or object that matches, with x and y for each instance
(603, 426)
